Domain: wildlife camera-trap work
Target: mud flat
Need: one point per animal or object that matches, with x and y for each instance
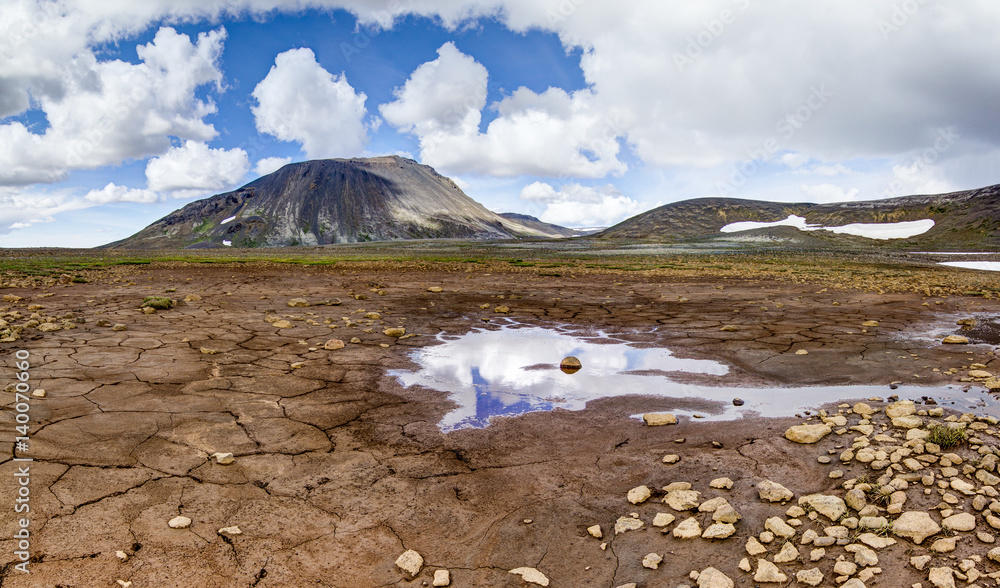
(338, 469)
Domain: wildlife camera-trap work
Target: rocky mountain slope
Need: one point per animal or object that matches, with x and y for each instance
(334, 201)
(961, 220)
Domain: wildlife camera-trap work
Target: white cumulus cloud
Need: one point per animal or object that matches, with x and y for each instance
(270, 164)
(115, 193)
(101, 113)
(194, 169)
(300, 101)
(554, 133)
(824, 193)
(574, 205)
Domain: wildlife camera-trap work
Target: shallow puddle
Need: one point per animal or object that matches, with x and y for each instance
(514, 369)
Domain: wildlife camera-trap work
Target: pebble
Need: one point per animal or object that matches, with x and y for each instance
(410, 561)
(441, 578)
(531, 575)
(223, 458)
(179, 522)
(234, 530)
(653, 419)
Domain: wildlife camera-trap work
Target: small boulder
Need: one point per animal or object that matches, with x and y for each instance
(807, 433)
(915, 525)
(768, 572)
(713, 578)
(179, 522)
(298, 303)
(410, 562)
(639, 494)
(773, 492)
(955, 340)
(654, 419)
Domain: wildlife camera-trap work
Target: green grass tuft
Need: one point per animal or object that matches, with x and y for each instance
(946, 437)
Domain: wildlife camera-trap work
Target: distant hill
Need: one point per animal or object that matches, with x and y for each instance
(334, 201)
(962, 220)
(526, 220)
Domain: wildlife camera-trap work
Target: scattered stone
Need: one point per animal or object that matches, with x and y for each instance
(662, 519)
(654, 419)
(960, 522)
(121, 555)
(652, 561)
(800, 352)
(39, 393)
(915, 525)
(779, 527)
(955, 340)
(570, 364)
(395, 332)
(738, 402)
(719, 531)
(920, 561)
(531, 575)
(807, 433)
(234, 530)
(334, 344)
(639, 494)
(773, 492)
(596, 532)
(119, 327)
(754, 547)
(945, 545)
(671, 458)
(729, 329)
(298, 303)
(832, 507)
(502, 309)
(941, 577)
(282, 324)
(435, 289)
(223, 458)
(441, 578)
(179, 522)
(812, 577)
(681, 500)
(768, 572)
(624, 524)
(411, 562)
(787, 554)
(713, 578)
(687, 529)
(192, 298)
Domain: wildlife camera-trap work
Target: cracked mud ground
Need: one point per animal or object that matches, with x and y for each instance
(339, 470)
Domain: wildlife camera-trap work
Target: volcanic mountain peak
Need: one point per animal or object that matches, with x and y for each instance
(333, 201)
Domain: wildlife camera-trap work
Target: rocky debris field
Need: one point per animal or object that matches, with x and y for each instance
(234, 425)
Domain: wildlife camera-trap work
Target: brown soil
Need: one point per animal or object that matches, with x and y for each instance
(338, 470)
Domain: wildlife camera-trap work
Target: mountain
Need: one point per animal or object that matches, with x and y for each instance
(334, 201)
(529, 221)
(962, 220)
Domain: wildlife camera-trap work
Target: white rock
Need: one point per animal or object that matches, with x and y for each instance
(681, 500)
(719, 531)
(779, 527)
(179, 522)
(941, 577)
(721, 484)
(745, 565)
(754, 547)
(807, 433)
(441, 578)
(812, 577)
(713, 578)
(787, 554)
(121, 555)
(234, 530)
(531, 575)
(639, 494)
(687, 529)
(920, 561)
(653, 419)
(624, 524)
(960, 522)
(900, 409)
(662, 519)
(773, 492)
(874, 541)
(652, 561)
(410, 561)
(223, 458)
(915, 525)
(768, 572)
(595, 531)
(832, 507)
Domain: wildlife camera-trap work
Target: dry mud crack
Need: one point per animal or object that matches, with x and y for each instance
(337, 470)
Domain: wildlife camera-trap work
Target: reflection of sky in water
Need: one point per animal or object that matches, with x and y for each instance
(490, 372)
(514, 370)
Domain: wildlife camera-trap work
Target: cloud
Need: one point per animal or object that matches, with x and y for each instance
(270, 164)
(194, 169)
(115, 193)
(551, 134)
(574, 205)
(20, 209)
(299, 101)
(101, 113)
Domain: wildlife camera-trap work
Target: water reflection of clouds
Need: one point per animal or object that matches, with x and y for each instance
(485, 371)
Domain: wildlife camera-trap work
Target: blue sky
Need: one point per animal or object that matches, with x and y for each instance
(580, 112)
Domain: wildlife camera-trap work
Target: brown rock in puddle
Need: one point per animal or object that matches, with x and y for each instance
(570, 365)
